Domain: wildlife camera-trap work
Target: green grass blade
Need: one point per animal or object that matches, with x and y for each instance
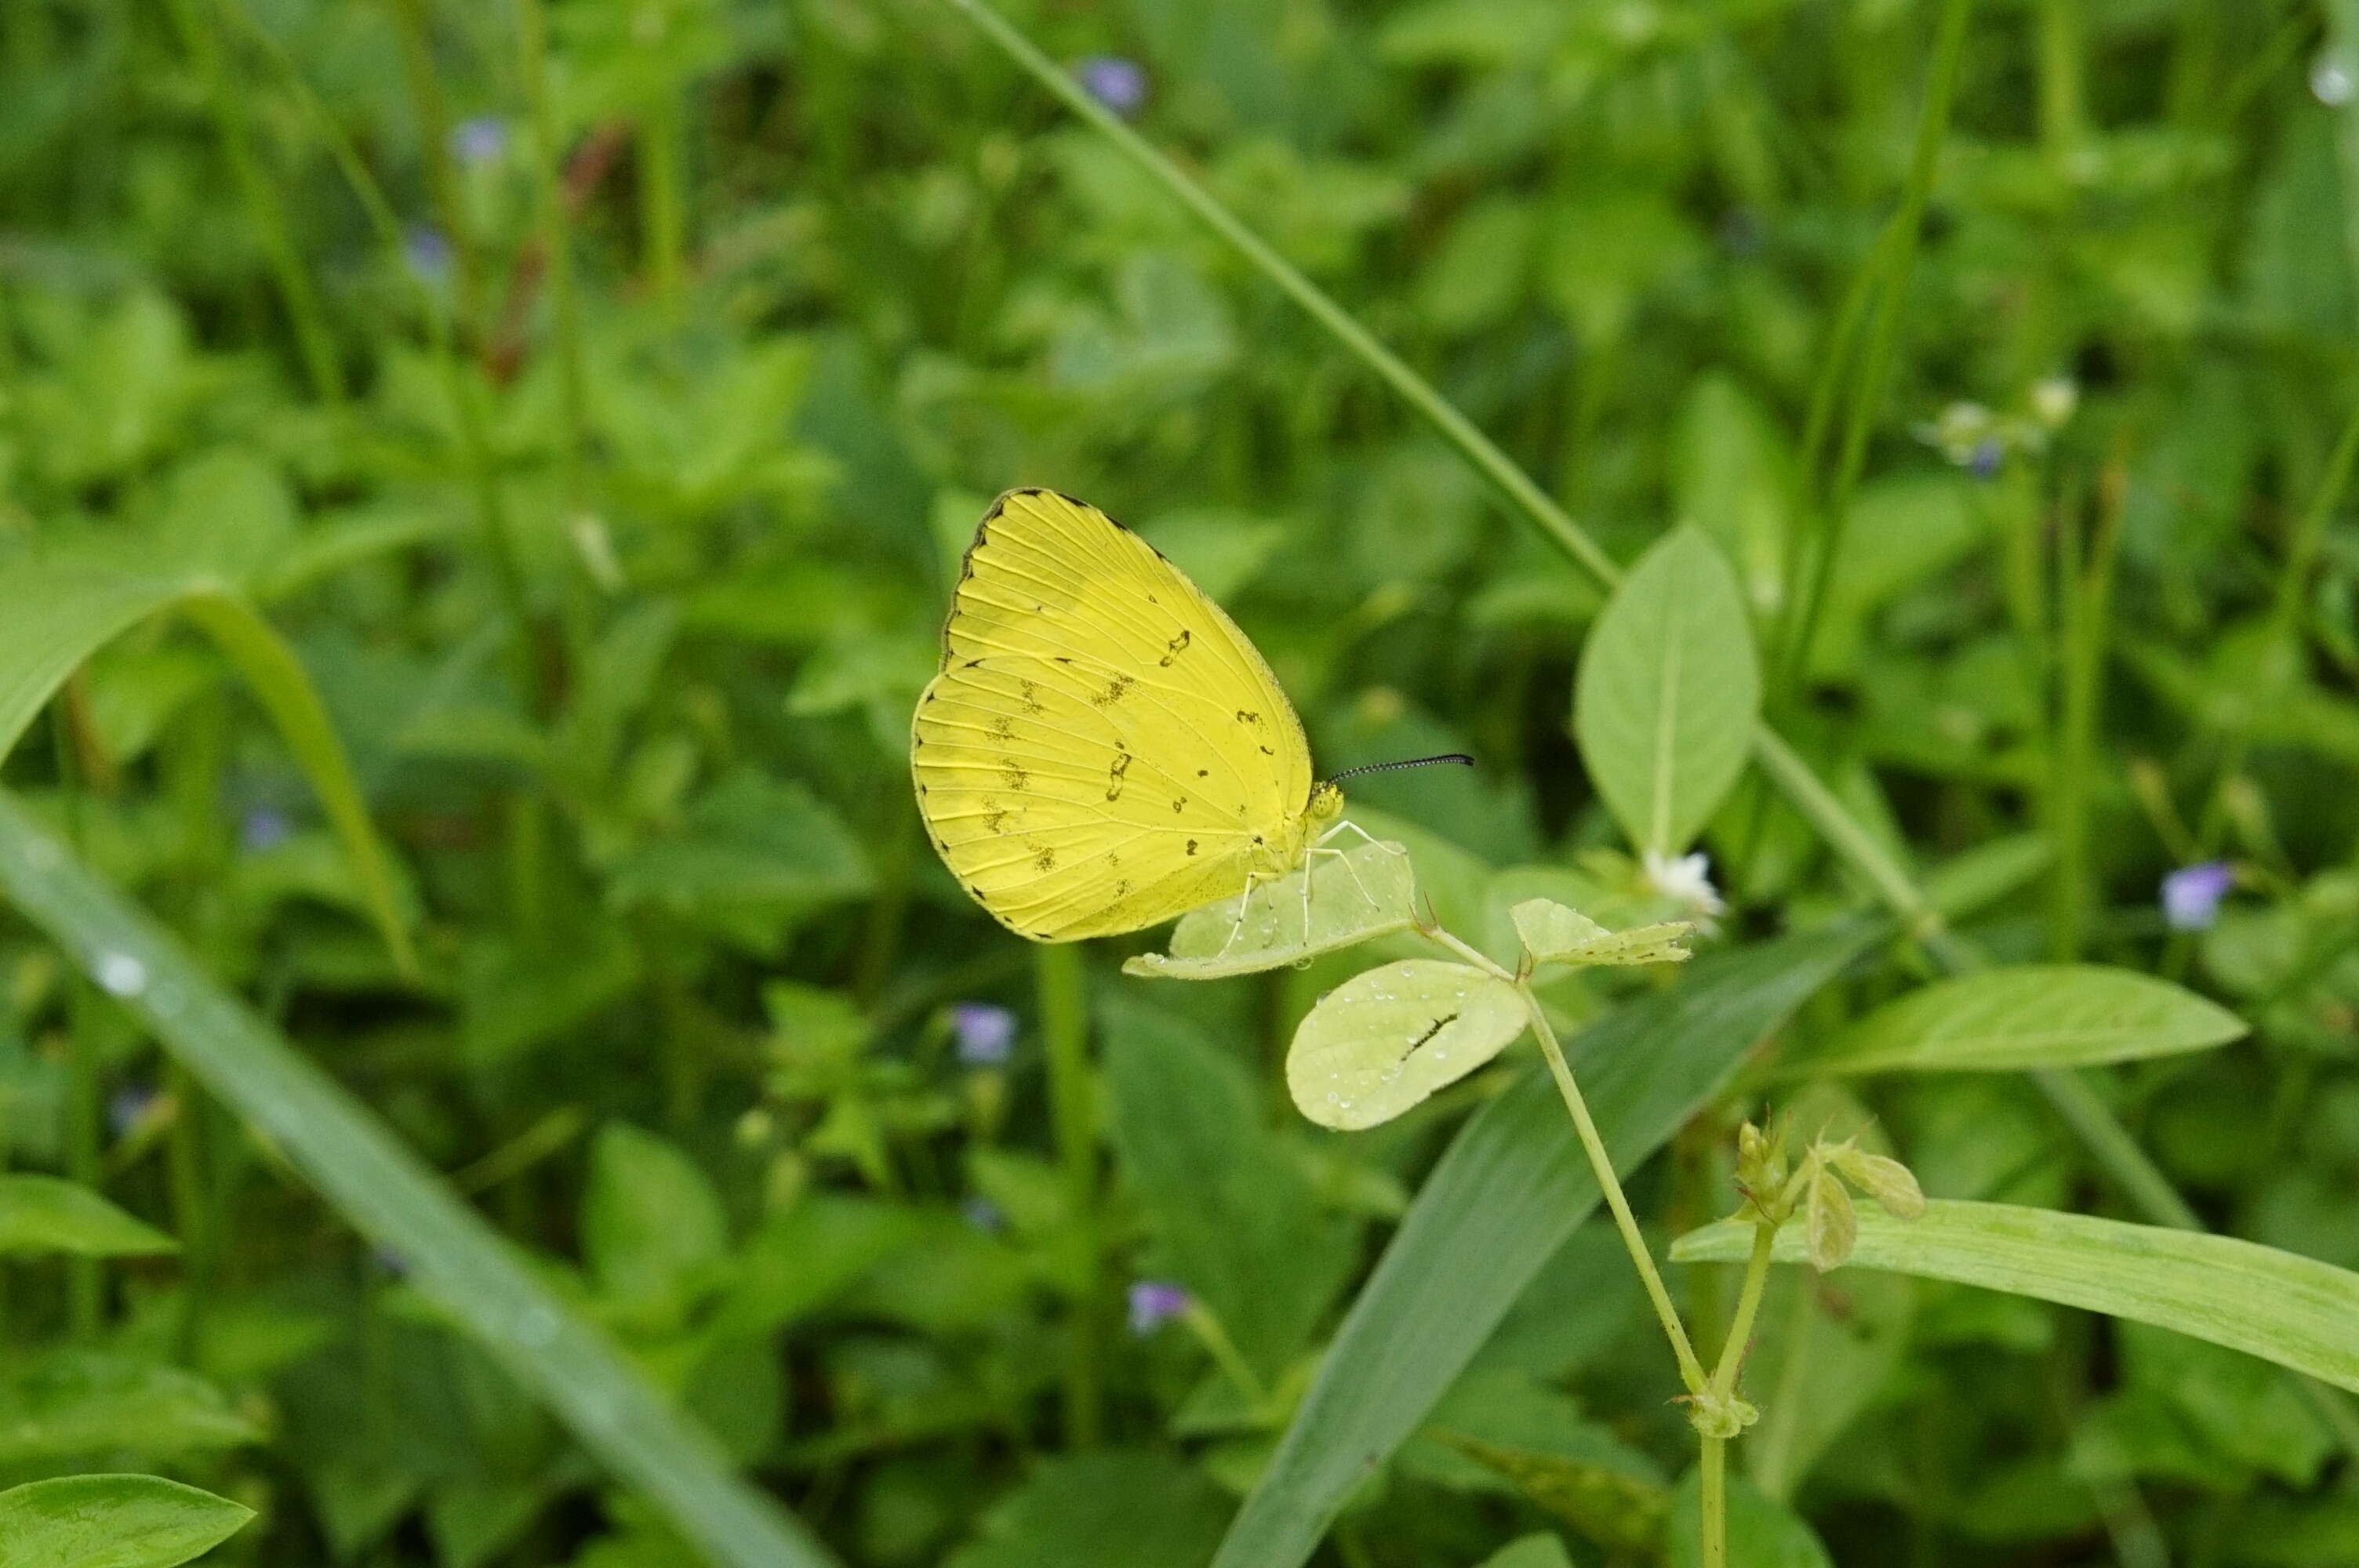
(61, 617)
(393, 1199)
(285, 690)
(1512, 1188)
(1453, 427)
(2294, 1311)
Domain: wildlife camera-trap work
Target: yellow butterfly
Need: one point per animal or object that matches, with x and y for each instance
(1103, 748)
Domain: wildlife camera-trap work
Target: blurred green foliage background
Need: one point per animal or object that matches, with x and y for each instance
(605, 450)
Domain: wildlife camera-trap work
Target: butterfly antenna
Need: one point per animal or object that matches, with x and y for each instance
(1460, 757)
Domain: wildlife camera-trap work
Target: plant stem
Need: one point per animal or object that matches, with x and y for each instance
(1867, 389)
(1714, 1464)
(1723, 1383)
(556, 233)
(1450, 424)
(193, 21)
(1748, 1305)
(441, 169)
(81, 1111)
(1690, 1369)
(1072, 1106)
(662, 224)
(2084, 590)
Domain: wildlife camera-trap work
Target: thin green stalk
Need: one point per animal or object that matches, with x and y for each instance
(82, 1110)
(442, 169)
(2062, 122)
(1601, 1162)
(1723, 1384)
(1867, 389)
(1451, 426)
(556, 234)
(1073, 1106)
(1593, 1143)
(2085, 588)
(193, 20)
(467, 416)
(1714, 1464)
(663, 223)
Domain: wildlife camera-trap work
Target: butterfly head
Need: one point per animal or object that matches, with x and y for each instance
(1326, 802)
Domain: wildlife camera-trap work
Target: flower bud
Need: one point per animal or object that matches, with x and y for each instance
(1831, 1229)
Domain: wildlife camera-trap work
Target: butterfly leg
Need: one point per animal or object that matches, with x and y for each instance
(1245, 903)
(1318, 849)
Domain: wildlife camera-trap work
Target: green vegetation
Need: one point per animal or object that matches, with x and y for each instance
(493, 1076)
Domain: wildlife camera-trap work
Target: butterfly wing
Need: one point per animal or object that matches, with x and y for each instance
(1103, 748)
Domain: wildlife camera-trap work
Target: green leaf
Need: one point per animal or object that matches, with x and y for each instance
(1511, 1186)
(2030, 1017)
(651, 1223)
(1669, 690)
(1233, 1212)
(1555, 934)
(1335, 900)
(58, 616)
(43, 1214)
(1142, 1511)
(392, 1198)
(1539, 1550)
(2294, 1311)
(1388, 1037)
(112, 1521)
(76, 1403)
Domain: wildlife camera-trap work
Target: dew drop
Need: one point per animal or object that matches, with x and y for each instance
(121, 974)
(2329, 82)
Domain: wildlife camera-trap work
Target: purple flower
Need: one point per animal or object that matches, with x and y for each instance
(263, 828)
(427, 253)
(986, 1034)
(1152, 1304)
(480, 139)
(1982, 462)
(1120, 84)
(2192, 895)
(983, 1214)
(129, 1108)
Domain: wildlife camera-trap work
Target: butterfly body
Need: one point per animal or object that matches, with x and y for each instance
(1102, 748)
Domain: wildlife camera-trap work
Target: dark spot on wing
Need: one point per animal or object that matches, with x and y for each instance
(1247, 716)
(1121, 889)
(1191, 846)
(1046, 860)
(1178, 805)
(1116, 689)
(1015, 777)
(995, 818)
(1029, 692)
(1002, 728)
(1176, 644)
(1203, 773)
(1114, 774)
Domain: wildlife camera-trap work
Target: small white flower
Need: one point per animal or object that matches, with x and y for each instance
(1687, 880)
(2054, 399)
